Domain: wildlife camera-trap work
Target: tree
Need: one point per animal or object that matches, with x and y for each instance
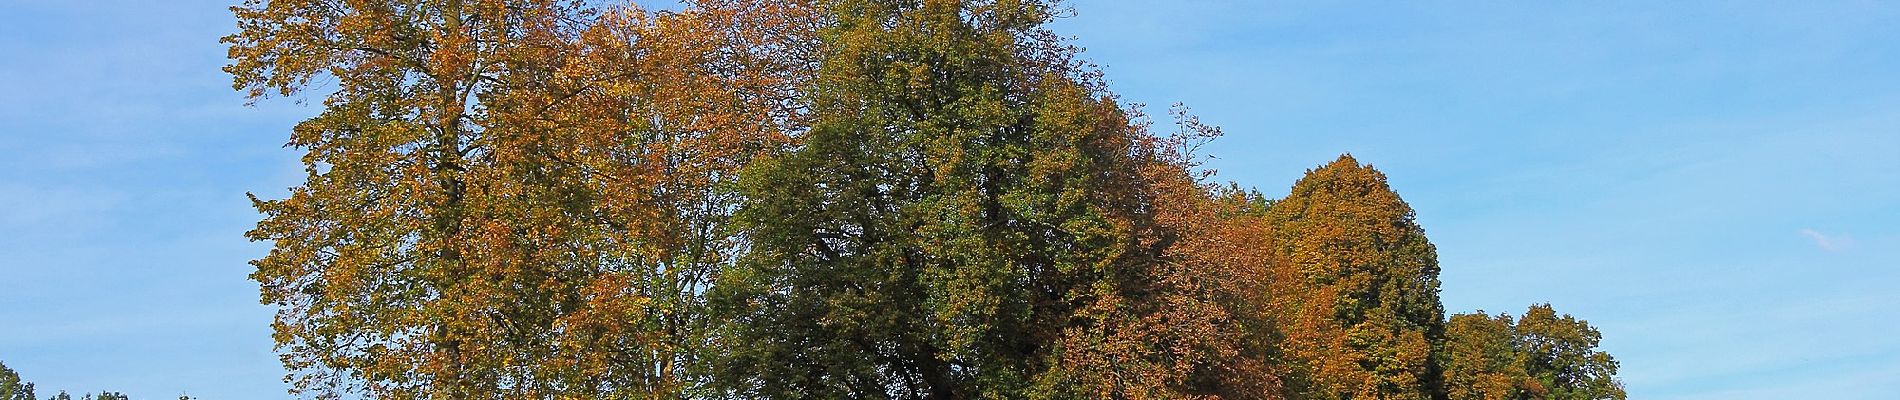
(107, 396)
(515, 199)
(1356, 293)
(1481, 359)
(815, 199)
(1540, 356)
(1560, 353)
(968, 217)
(380, 286)
(12, 387)
(1213, 271)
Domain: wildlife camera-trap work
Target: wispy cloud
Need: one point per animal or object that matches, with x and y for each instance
(1829, 242)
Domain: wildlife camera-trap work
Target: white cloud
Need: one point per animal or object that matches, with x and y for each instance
(1829, 243)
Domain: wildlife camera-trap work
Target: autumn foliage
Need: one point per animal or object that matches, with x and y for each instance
(818, 199)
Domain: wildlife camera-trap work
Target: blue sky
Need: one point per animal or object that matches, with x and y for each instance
(1715, 185)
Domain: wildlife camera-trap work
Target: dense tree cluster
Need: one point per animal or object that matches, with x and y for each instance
(1539, 355)
(905, 199)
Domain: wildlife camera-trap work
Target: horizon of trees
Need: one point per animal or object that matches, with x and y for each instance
(12, 387)
(905, 199)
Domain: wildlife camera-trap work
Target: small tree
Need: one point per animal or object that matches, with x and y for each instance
(1539, 356)
(12, 387)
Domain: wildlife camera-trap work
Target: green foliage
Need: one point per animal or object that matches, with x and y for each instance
(1560, 353)
(1539, 356)
(968, 217)
(828, 199)
(89, 396)
(950, 212)
(12, 387)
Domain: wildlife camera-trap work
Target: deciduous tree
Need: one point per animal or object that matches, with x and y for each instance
(1560, 353)
(1540, 356)
(1356, 293)
(12, 387)
(1211, 276)
(514, 199)
(816, 199)
(1481, 360)
(970, 216)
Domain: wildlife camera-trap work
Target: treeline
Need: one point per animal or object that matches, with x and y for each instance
(819, 199)
(14, 388)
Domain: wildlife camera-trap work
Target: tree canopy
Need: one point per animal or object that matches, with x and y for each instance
(12, 387)
(893, 199)
(1539, 356)
(1357, 291)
